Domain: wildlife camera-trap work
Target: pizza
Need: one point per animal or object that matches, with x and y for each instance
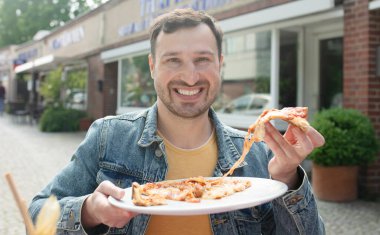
(188, 190)
(293, 115)
(197, 188)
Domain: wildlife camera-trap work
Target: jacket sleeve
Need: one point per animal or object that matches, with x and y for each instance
(296, 212)
(74, 183)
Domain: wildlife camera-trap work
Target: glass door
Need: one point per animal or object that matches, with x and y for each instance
(331, 72)
(288, 68)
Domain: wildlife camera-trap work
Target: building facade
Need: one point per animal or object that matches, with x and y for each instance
(314, 53)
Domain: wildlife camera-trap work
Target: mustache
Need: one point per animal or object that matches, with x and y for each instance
(185, 84)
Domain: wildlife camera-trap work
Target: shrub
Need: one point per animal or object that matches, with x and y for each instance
(59, 119)
(349, 135)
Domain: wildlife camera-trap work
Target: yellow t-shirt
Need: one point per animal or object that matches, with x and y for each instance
(185, 163)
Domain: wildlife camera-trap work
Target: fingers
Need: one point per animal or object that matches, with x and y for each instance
(302, 141)
(97, 209)
(316, 138)
(276, 141)
(109, 189)
(284, 153)
(294, 145)
(116, 217)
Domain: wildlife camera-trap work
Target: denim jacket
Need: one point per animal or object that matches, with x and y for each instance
(126, 148)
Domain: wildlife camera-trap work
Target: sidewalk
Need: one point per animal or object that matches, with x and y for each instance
(34, 158)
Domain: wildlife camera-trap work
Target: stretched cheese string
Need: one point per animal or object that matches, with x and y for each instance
(248, 142)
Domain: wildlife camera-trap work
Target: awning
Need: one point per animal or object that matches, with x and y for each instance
(41, 64)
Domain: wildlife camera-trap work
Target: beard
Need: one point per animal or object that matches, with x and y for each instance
(187, 110)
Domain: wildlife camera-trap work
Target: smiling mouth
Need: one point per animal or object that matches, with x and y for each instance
(188, 92)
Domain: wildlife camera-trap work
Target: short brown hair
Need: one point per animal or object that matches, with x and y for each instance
(183, 18)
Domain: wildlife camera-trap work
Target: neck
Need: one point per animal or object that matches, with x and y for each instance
(186, 133)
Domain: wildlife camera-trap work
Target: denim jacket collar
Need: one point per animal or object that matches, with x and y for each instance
(227, 151)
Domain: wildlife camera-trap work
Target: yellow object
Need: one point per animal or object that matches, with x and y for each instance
(48, 217)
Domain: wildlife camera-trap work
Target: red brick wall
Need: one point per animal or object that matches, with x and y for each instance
(95, 107)
(361, 86)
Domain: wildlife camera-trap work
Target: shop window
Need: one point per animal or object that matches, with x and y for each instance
(76, 92)
(137, 89)
(234, 45)
(246, 71)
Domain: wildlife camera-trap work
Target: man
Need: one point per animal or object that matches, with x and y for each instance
(2, 98)
(179, 137)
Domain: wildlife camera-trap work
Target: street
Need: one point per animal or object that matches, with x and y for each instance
(33, 158)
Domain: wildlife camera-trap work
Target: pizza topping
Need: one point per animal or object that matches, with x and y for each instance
(189, 190)
(139, 199)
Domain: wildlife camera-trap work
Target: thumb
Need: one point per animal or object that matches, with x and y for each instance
(109, 189)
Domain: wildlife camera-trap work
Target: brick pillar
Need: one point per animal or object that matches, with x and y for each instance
(361, 87)
(95, 103)
(110, 88)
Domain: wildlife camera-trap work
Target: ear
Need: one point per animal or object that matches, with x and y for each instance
(151, 65)
(221, 61)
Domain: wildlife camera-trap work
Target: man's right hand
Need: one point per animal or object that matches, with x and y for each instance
(97, 210)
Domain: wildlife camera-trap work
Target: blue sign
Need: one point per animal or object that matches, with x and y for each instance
(149, 9)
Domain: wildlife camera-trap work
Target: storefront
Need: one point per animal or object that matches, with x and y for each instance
(266, 52)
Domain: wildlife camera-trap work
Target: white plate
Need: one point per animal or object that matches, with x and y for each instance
(261, 191)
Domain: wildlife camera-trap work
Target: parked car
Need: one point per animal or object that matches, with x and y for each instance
(250, 104)
(76, 99)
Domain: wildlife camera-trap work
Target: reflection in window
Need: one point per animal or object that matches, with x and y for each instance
(76, 83)
(246, 68)
(234, 44)
(258, 103)
(137, 88)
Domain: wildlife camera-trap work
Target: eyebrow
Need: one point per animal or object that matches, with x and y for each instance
(174, 53)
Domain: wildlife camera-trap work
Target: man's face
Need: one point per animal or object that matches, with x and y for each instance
(186, 71)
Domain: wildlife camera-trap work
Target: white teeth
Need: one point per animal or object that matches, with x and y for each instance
(188, 92)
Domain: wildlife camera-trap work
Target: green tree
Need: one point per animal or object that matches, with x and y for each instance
(20, 20)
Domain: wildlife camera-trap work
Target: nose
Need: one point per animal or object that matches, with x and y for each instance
(190, 74)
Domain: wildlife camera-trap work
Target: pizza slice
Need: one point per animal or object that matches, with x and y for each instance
(293, 115)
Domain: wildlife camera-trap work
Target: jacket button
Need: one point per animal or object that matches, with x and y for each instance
(158, 153)
(295, 199)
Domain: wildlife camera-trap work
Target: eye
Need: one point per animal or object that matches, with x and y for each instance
(202, 59)
(173, 60)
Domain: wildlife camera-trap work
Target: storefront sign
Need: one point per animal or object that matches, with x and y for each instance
(25, 56)
(67, 38)
(150, 9)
